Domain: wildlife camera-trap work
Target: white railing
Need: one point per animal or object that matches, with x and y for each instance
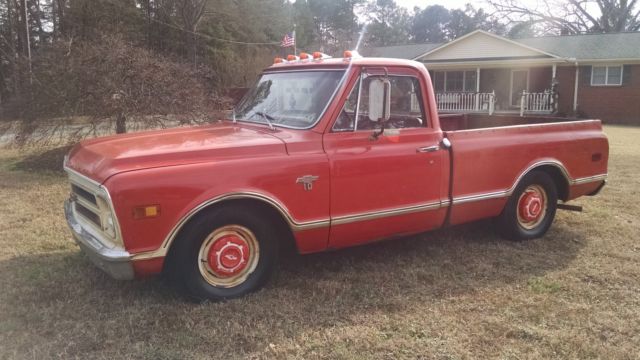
(536, 102)
(466, 102)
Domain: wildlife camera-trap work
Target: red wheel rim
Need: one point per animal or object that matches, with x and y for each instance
(532, 207)
(228, 256)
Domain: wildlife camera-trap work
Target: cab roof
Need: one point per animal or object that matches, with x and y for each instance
(344, 63)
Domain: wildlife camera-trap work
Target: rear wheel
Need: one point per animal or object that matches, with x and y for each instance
(224, 253)
(531, 208)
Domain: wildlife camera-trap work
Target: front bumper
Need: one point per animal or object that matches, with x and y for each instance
(114, 261)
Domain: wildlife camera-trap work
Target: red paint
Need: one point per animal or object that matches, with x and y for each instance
(228, 256)
(181, 169)
(530, 206)
(148, 267)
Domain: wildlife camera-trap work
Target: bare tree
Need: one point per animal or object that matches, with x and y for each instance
(191, 12)
(573, 16)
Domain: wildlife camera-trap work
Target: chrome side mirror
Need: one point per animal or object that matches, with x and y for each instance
(379, 99)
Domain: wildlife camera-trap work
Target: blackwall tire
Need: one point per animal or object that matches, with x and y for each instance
(531, 208)
(224, 253)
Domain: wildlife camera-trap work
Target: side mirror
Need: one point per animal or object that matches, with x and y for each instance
(379, 99)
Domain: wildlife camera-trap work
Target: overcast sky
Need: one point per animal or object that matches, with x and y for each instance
(453, 4)
(450, 4)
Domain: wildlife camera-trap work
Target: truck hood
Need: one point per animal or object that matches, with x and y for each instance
(103, 157)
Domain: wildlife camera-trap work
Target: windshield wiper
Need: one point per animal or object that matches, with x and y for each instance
(268, 118)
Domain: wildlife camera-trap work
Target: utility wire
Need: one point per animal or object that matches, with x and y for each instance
(213, 38)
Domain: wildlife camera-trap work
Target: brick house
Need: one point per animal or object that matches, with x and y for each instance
(590, 76)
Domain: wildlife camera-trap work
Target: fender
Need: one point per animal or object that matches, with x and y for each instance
(507, 192)
(274, 203)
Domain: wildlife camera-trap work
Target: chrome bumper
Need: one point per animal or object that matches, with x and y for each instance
(114, 261)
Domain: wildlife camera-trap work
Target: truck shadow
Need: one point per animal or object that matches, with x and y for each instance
(65, 292)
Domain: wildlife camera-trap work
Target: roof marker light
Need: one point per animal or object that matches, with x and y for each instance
(292, 58)
(278, 60)
(304, 56)
(319, 56)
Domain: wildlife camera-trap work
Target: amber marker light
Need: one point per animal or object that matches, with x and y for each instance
(347, 54)
(292, 58)
(278, 60)
(146, 212)
(317, 55)
(304, 56)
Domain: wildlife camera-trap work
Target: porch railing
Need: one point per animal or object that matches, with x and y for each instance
(536, 102)
(466, 102)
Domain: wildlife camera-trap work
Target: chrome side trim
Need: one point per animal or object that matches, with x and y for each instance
(589, 179)
(293, 224)
(352, 218)
(347, 219)
(507, 192)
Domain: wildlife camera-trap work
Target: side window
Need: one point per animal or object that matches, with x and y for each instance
(407, 110)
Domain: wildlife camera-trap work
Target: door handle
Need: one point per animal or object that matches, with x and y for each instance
(426, 149)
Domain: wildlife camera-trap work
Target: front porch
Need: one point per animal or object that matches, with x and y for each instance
(508, 90)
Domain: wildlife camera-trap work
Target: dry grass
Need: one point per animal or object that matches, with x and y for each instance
(460, 293)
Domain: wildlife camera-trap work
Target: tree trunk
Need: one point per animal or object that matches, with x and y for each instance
(121, 123)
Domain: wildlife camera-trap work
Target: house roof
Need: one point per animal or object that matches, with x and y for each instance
(401, 51)
(589, 46)
(612, 46)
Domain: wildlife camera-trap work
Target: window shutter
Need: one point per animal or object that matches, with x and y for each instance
(585, 75)
(626, 75)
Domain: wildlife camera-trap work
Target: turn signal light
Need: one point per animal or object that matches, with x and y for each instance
(146, 212)
(278, 60)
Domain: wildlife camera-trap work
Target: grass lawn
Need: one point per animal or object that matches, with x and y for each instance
(460, 293)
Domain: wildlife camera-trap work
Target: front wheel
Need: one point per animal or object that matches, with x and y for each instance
(225, 253)
(531, 208)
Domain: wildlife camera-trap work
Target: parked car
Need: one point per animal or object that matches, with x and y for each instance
(329, 153)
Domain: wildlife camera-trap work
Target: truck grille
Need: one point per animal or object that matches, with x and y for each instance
(82, 193)
(91, 205)
(88, 214)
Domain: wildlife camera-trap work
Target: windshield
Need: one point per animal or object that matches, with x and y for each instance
(291, 99)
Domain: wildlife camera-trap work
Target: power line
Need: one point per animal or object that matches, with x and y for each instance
(212, 37)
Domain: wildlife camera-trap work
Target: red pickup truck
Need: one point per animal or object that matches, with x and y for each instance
(329, 153)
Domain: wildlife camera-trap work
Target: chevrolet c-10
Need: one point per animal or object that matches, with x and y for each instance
(325, 154)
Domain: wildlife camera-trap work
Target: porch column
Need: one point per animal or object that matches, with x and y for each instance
(575, 90)
(477, 89)
(554, 90)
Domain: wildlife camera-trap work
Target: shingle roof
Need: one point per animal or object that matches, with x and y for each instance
(400, 51)
(591, 46)
(581, 47)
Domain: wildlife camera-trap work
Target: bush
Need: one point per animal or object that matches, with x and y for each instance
(112, 80)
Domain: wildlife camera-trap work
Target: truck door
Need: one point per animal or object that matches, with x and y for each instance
(390, 185)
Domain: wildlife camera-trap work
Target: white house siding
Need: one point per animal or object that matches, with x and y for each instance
(480, 45)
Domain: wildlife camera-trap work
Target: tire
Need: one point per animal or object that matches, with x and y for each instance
(531, 208)
(224, 253)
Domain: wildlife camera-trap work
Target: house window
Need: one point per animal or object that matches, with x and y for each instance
(606, 75)
(455, 81)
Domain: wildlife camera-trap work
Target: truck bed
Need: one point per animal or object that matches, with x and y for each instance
(487, 162)
(454, 122)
